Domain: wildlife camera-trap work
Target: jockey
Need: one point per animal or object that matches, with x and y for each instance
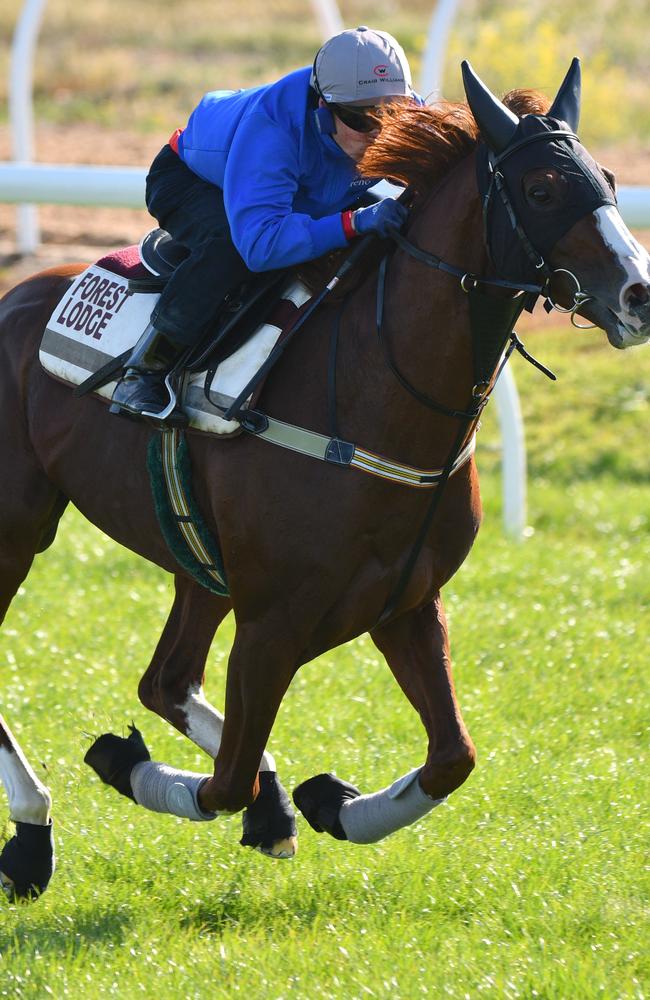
(263, 179)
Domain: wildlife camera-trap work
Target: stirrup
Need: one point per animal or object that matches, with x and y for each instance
(171, 406)
(171, 415)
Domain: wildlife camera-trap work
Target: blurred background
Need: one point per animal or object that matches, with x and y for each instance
(112, 79)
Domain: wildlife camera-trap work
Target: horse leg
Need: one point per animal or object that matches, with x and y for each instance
(416, 648)
(172, 686)
(27, 859)
(260, 669)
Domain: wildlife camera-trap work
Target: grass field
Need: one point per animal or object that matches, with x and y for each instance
(531, 881)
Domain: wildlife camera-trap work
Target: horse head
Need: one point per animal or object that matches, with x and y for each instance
(551, 212)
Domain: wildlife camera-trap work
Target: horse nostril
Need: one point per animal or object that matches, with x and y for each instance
(636, 296)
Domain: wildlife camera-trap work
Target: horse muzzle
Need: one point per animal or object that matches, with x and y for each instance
(623, 329)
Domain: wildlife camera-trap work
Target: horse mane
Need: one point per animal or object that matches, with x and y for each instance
(418, 146)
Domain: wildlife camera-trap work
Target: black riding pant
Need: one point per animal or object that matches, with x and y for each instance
(192, 210)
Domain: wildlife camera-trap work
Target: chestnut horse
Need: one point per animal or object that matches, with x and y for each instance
(316, 554)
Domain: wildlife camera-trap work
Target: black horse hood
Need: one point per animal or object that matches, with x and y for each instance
(536, 144)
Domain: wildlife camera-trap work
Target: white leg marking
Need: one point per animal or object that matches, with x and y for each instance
(205, 726)
(29, 799)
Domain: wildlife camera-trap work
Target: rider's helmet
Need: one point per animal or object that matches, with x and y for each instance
(361, 67)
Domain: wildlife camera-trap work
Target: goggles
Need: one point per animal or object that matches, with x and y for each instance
(358, 119)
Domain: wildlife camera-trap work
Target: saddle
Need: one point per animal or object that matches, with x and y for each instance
(91, 333)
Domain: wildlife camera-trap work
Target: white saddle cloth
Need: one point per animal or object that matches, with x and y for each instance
(99, 318)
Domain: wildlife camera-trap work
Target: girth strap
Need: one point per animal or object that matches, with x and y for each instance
(345, 453)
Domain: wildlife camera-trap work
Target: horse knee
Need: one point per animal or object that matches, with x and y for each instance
(33, 808)
(443, 773)
(148, 693)
(153, 695)
(463, 763)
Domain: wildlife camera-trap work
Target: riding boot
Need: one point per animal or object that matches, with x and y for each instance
(142, 389)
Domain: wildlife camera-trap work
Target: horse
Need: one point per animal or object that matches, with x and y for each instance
(508, 206)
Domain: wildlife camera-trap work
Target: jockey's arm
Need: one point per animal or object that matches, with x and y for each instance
(260, 184)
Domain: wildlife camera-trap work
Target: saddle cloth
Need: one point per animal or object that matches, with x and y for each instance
(99, 317)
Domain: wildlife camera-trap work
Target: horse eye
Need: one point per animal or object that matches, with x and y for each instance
(540, 195)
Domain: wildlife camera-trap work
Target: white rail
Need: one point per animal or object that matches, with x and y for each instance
(72, 184)
(79, 184)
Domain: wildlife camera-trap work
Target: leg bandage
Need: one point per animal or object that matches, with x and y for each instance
(369, 818)
(163, 789)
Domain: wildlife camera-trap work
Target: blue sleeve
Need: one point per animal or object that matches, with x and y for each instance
(260, 184)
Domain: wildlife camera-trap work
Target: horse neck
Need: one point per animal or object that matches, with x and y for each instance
(427, 326)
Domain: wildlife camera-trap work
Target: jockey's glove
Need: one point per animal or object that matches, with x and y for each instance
(379, 218)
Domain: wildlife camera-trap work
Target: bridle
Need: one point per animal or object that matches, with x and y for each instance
(468, 281)
(498, 183)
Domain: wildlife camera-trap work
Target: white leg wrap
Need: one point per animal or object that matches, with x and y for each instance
(372, 817)
(163, 789)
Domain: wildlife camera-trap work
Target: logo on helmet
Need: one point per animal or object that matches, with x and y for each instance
(381, 69)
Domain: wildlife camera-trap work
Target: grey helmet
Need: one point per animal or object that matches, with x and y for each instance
(361, 66)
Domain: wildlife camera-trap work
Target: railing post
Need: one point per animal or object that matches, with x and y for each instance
(21, 112)
(328, 16)
(513, 456)
(433, 63)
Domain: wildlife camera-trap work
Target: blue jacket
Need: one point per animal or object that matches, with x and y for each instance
(284, 183)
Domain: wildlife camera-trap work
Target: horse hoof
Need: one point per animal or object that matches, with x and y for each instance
(320, 798)
(287, 848)
(269, 824)
(27, 862)
(112, 758)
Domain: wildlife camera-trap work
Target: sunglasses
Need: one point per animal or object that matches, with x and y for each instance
(358, 119)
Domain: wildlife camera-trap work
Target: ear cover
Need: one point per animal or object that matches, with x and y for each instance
(325, 121)
(497, 123)
(566, 106)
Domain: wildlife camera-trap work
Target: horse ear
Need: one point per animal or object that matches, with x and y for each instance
(566, 106)
(496, 122)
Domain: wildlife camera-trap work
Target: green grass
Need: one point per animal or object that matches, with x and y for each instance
(530, 882)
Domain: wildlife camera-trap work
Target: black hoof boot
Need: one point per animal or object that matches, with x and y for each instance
(320, 799)
(27, 862)
(113, 758)
(269, 824)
